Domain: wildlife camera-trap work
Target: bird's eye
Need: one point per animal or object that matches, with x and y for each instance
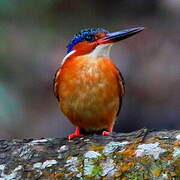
(90, 38)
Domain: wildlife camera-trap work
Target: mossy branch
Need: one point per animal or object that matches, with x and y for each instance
(138, 155)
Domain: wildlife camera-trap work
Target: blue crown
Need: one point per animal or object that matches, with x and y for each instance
(81, 36)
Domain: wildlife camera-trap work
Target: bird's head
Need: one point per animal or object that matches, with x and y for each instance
(97, 41)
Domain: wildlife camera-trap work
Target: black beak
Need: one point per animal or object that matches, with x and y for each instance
(120, 35)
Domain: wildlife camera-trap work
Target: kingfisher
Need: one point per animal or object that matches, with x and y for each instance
(88, 85)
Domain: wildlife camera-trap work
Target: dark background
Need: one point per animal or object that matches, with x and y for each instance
(33, 38)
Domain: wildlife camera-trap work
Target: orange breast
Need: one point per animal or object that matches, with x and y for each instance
(89, 92)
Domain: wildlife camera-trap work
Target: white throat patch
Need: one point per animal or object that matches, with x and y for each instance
(101, 50)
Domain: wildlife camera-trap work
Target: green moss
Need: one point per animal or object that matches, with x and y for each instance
(97, 170)
(136, 175)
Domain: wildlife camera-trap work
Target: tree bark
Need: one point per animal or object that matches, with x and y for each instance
(138, 155)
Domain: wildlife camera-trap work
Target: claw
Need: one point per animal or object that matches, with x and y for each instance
(75, 134)
(106, 133)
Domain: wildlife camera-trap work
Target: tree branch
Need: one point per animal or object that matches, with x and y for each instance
(138, 155)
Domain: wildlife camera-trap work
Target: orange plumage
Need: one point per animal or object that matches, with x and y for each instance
(88, 85)
(90, 92)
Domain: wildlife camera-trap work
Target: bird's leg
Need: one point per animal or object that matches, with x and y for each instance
(75, 134)
(106, 133)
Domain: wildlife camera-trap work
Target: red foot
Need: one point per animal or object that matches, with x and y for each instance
(75, 134)
(106, 133)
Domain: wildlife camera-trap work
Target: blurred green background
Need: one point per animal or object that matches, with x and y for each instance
(33, 39)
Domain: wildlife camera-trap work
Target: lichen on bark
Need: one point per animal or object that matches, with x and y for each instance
(138, 155)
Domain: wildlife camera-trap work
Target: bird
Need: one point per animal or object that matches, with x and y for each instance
(88, 85)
